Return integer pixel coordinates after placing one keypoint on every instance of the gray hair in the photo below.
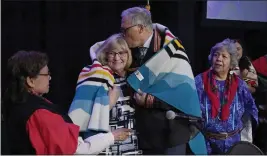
(230, 47)
(138, 15)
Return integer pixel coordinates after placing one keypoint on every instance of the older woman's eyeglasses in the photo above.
(121, 54)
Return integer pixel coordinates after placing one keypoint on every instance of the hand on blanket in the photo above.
(113, 94)
(121, 134)
(144, 99)
(140, 97)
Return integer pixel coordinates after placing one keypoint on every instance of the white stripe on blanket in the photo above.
(96, 120)
(91, 122)
(76, 117)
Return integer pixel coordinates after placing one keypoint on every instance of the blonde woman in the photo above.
(102, 103)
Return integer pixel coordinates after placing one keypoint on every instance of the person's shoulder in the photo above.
(159, 27)
(96, 71)
(241, 82)
(42, 115)
(242, 85)
(198, 77)
(199, 81)
(96, 66)
(95, 63)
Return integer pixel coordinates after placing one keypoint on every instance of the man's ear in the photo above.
(30, 82)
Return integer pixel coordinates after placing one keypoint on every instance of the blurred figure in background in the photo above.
(245, 68)
(260, 96)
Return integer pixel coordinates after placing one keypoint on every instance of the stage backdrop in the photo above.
(66, 30)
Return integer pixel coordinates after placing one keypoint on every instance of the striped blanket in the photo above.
(90, 106)
(169, 77)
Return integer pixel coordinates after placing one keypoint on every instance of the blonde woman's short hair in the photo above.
(114, 42)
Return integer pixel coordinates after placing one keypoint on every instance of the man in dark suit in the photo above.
(157, 135)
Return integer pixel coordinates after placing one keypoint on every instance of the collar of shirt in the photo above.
(147, 43)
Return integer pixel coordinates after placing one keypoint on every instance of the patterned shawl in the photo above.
(169, 77)
(90, 106)
(251, 77)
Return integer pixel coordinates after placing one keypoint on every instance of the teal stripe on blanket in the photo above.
(180, 92)
(176, 90)
(174, 85)
(198, 145)
(85, 105)
(182, 96)
(87, 96)
(88, 92)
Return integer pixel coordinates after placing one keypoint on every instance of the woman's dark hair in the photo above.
(21, 65)
(244, 61)
(237, 40)
(242, 45)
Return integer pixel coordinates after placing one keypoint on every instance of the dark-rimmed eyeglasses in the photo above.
(121, 54)
(48, 74)
(124, 30)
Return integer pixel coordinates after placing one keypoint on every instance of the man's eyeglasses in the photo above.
(124, 30)
(121, 54)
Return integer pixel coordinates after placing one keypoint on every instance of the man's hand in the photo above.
(121, 134)
(140, 97)
(144, 99)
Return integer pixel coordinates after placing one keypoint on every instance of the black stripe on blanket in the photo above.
(96, 79)
(170, 53)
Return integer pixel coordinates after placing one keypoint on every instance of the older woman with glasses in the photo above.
(90, 108)
(34, 124)
(224, 99)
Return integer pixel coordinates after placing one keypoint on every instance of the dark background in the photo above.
(65, 30)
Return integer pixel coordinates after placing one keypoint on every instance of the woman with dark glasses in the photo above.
(34, 124)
